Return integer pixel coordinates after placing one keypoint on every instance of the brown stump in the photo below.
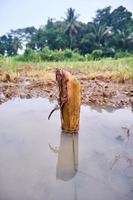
(69, 101)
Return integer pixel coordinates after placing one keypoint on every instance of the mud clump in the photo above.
(4, 77)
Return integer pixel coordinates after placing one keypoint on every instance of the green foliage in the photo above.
(1, 56)
(71, 25)
(110, 31)
(68, 53)
(108, 52)
(97, 54)
(20, 58)
(49, 55)
(88, 57)
(9, 46)
(1, 60)
(120, 18)
(103, 16)
(46, 54)
(60, 55)
(2, 47)
(29, 55)
(122, 54)
(77, 57)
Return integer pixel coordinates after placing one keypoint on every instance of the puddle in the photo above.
(39, 162)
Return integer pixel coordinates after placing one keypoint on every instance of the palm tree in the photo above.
(100, 34)
(71, 25)
(123, 39)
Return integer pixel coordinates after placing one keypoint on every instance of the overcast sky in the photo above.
(22, 13)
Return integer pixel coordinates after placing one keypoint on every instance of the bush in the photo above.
(49, 55)
(19, 58)
(46, 54)
(122, 54)
(72, 55)
(97, 54)
(30, 55)
(58, 55)
(68, 54)
(77, 57)
(1, 60)
(88, 57)
(1, 56)
(109, 52)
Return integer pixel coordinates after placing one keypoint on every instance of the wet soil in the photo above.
(99, 91)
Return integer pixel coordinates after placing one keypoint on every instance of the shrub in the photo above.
(88, 57)
(109, 52)
(122, 54)
(19, 58)
(58, 55)
(45, 54)
(1, 56)
(72, 55)
(97, 54)
(30, 55)
(67, 54)
(77, 57)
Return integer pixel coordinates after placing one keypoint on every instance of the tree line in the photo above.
(109, 32)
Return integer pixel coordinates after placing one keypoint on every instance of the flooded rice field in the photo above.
(38, 161)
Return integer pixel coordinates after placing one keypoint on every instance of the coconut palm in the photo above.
(123, 39)
(71, 25)
(100, 34)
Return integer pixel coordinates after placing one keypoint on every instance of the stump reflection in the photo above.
(67, 164)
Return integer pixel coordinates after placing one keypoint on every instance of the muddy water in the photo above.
(39, 162)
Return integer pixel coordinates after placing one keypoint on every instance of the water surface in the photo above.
(39, 162)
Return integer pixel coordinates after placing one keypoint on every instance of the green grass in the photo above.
(107, 67)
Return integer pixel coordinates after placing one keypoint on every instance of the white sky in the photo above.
(22, 13)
